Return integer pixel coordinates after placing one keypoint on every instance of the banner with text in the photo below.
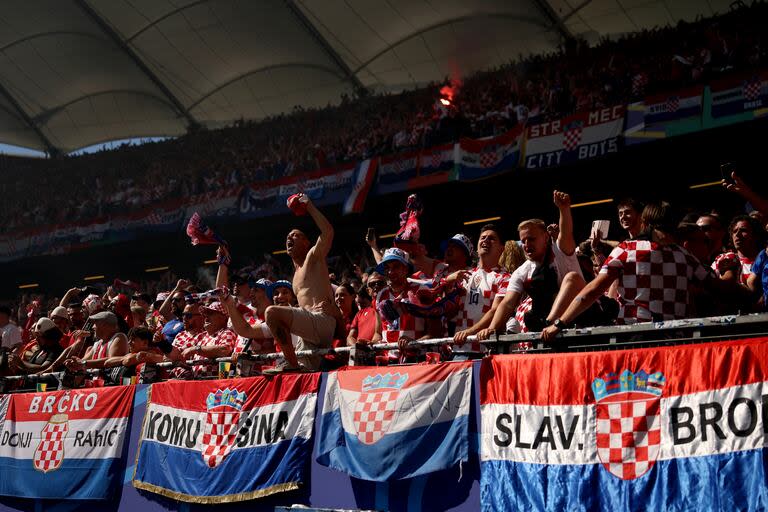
(673, 428)
(578, 137)
(227, 440)
(63, 444)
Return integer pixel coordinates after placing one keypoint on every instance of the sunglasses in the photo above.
(190, 315)
(376, 284)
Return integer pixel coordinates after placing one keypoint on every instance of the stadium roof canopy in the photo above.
(78, 72)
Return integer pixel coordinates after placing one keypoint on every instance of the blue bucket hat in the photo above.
(264, 284)
(394, 254)
(280, 283)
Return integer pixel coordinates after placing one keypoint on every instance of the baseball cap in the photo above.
(59, 311)
(394, 254)
(161, 297)
(44, 324)
(460, 240)
(217, 307)
(106, 316)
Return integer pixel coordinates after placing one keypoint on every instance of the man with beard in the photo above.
(172, 309)
(485, 287)
(217, 340)
(550, 278)
(315, 320)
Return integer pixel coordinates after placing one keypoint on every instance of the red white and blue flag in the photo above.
(436, 159)
(481, 158)
(365, 174)
(664, 108)
(234, 439)
(390, 423)
(395, 171)
(739, 95)
(63, 444)
(578, 137)
(673, 428)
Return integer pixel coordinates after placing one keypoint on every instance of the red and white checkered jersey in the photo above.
(744, 265)
(186, 339)
(183, 341)
(223, 338)
(653, 280)
(481, 290)
(260, 345)
(406, 325)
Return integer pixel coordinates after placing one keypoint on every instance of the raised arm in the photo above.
(325, 240)
(565, 239)
(224, 259)
(69, 296)
(737, 185)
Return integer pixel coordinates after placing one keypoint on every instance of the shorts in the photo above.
(315, 330)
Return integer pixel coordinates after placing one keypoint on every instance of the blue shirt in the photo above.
(760, 269)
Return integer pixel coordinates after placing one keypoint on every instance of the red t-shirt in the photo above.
(365, 323)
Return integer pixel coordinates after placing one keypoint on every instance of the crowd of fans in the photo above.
(576, 77)
(486, 283)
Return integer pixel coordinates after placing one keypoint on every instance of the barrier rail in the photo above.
(581, 339)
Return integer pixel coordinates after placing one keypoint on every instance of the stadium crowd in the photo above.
(577, 77)
(485, 283)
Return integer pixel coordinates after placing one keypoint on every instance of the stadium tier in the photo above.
(372, 261)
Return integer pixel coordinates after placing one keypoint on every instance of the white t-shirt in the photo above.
(562, 263)
(11, 335)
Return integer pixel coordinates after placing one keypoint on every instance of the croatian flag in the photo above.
(732, 96)
(231, 440)
(481, 158)
(365, 173)
(665, 108)
(578, 137)
(63, 444)
(395, 171)
(390, 423)
(674, 428)
(436, 159)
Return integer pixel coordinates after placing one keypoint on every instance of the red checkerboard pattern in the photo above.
(50, 452)
(481, 290)
(639, 81)
(731, 259)
(653, 280)
(489, 158)
(572, 138)
(673, 103)
(373, 414)
(223, 338)
(629, 436)
(752, 90)
(219, 435)
(182, 341)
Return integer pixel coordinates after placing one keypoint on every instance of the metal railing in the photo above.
(693, 330)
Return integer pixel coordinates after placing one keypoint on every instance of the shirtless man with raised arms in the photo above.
(314, 321)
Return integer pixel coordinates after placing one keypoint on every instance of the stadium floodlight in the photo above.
(709, 184)
(93, 278)
(27, 286)
(281, 251)
(156, 269)
(480, 221)
(592, 203)
(390, 235)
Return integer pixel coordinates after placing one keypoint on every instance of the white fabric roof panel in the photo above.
(79, 72)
